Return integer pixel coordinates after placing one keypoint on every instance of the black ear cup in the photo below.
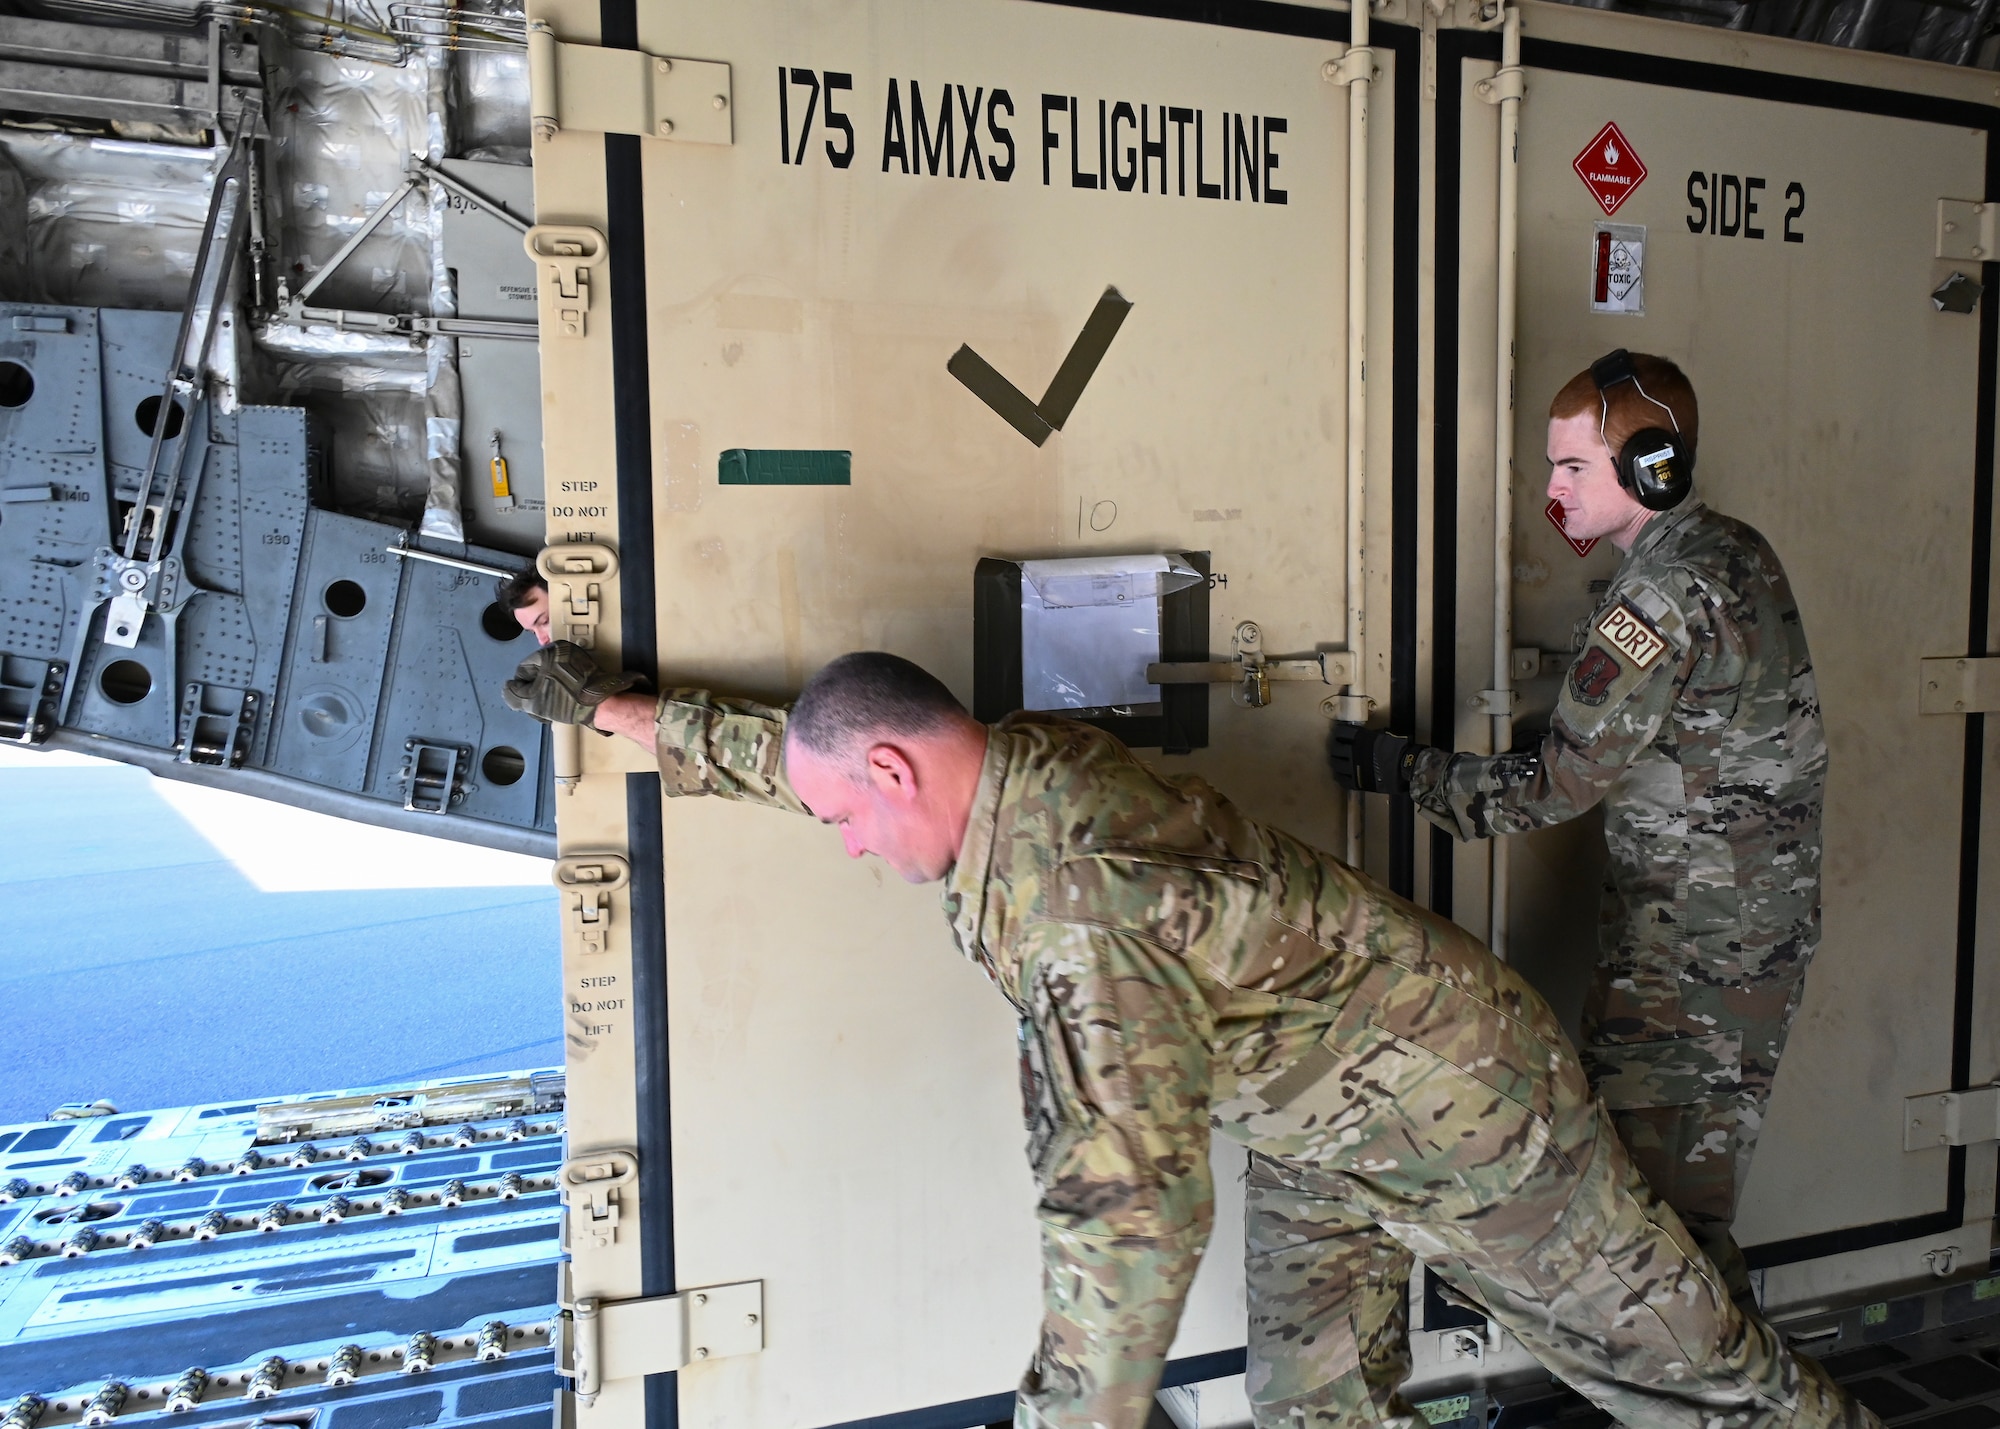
(1657, 468)
(1654, 464)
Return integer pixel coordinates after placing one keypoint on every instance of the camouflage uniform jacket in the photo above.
(1166, 954)
(1691, 711)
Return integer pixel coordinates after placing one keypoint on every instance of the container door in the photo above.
(780, 378)
(1775, 236)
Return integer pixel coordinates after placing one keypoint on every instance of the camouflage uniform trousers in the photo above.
(1685, 1069)
(1374, 1151)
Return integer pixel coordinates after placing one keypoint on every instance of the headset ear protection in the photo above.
(1656, 465)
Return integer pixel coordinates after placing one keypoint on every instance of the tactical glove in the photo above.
(1372, 761)
(561, 684)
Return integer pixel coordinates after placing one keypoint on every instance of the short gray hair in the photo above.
(867, 696)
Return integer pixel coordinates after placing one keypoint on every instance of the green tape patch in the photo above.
(1987, 1289)
(1876, 1314)
(744, 467)
(1446, 1411)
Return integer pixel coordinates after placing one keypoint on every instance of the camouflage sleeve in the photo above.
(1115, 1080)
(1636, 657)
(711, 745)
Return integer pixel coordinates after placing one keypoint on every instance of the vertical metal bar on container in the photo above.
(1502, 706)
(1359, 73)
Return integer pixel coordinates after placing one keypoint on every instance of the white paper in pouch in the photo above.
(1090, 626)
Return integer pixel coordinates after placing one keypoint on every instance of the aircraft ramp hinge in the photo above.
(1965, 1118)
(1965, 230)
(433, 775)
(615, 91)
(577, 574)
(1252, 671)
(30, 698)
(625, 1339)
(216, 725)
(587, 882)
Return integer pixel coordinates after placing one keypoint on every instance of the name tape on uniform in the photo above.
(1627, 632)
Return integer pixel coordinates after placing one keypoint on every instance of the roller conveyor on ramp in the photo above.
(374, 1260)
(1929, 1359)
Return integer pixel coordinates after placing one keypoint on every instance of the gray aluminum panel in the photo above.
(280, 610)
(500, 377)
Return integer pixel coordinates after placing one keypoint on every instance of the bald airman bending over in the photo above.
(1178, 969)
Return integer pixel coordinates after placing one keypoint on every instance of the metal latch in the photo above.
(626, 1339)
(590, 1186)
(1965, 230)
(1252, 672)
(1525, 662)
(1473, 14)
(614, 91)
(1958, 685)
(131, 588)
(1952, 1118)
(587, 881)
(576, 575)
(563, 255)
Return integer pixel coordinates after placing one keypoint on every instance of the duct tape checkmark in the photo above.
(1036, 420)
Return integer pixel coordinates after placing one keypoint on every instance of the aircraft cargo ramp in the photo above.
(386, 1258)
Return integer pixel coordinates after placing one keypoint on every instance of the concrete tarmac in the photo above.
(140, 965)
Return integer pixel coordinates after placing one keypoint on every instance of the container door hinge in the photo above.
(611, 91)
(1504, 85)
(1252, 671)
(587, 881)
(576, 575)
(591, 1183)
(1965, 230)
(1958, 685)
(1964, 1118)
(563, 255)
(1351, 63)
(625, 1339)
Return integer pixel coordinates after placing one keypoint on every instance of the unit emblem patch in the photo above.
(1631, 635)
(1591, 680)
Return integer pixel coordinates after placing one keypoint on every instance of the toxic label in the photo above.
(1617, 269)
(1610, 169)
(1554, 511)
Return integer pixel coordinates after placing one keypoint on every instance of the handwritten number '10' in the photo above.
(834, 119)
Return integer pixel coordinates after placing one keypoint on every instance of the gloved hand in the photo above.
(1372, 761)
(561, 684)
